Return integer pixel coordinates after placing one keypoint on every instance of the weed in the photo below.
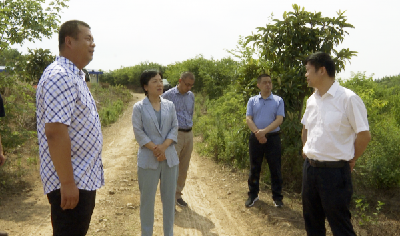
(363, 211)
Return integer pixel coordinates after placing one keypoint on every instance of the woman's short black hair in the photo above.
(146, 76)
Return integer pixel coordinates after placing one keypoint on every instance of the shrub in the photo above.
(379, 166)
(224, 129)
(19, 124)
(110, 101)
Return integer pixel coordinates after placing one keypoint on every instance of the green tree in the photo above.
(27, 20)
(36, 62)
(130, 76)
(212, 76)
(279, 49)
(288, 42)
(8, 57)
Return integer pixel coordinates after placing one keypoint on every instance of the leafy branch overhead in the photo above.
(286, 44)
(22, 20)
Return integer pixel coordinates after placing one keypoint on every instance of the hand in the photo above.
(69, 196)
(2, 159)
(159, 152)
(262, 140)
(161, 158)
(260, 137)
(352, 163)
(259, 134)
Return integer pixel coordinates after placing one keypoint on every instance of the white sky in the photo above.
(127, 32)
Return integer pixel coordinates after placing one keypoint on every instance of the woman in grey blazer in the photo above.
(156, 129)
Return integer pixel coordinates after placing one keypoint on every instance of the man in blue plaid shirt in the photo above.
(69, 133)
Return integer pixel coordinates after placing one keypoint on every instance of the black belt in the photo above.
(272, 134)
(327, 164)
(185, 130)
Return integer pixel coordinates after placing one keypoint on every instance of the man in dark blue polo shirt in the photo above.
(264, 114)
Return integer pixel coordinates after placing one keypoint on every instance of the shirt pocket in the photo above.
(311, 121)
(333, 120)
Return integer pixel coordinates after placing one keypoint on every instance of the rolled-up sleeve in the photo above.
(137, 123)
(173, 133)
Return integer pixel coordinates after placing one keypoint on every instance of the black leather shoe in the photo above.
(181, 202)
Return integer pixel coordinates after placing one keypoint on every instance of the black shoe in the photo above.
(250, 201)
(181, 202)
(278, 203)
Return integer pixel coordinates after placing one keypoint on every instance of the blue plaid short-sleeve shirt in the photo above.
(62, 96)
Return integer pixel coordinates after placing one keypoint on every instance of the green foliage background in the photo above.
(130, 76)
(224, 86)
(379, 167)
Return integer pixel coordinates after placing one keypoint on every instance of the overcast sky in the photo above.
(128, 32)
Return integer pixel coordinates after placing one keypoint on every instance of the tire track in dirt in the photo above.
(206, 213)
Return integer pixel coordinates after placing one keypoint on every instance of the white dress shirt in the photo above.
(332, 122)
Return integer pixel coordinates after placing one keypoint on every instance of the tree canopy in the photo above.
(286, 44)
(27, 20)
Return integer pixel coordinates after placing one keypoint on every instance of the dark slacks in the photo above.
(272, 152)
(326, 193)
(71, 222)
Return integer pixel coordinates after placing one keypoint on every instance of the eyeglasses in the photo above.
(189, 85)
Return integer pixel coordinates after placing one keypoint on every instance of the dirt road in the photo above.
(215, 196)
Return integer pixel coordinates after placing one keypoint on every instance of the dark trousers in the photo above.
(71, 222)
(272, 152)
(326, 193)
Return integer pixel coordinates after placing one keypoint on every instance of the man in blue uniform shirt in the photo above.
(264, 114)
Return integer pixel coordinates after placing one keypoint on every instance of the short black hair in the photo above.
(146, 76)
(262, 75)
(69, 28)
(322, 59)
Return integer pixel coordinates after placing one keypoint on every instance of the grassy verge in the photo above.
(110, 101)
(19, 137)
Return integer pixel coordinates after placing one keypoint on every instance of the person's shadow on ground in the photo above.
(187, 218)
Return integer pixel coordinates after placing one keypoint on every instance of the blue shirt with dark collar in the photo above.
(265, 111)
(184, 105)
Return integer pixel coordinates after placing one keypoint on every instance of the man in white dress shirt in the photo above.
(335, 134)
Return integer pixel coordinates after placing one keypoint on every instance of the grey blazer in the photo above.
(146, 129)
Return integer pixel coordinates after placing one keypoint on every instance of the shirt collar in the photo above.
(66, 63)
(332, 90)
(177, 90)
(271, 96)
